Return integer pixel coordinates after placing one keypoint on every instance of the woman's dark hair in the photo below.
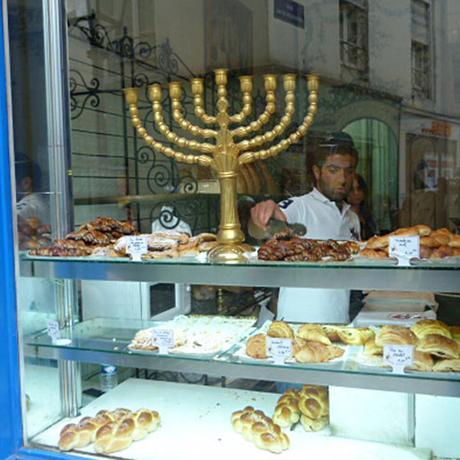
(362, 184)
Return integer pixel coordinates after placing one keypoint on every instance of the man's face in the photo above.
(335, 178)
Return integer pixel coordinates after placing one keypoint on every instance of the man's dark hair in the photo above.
(339, 143)
(25, 167)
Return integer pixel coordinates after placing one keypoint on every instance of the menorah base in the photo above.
(228, 253)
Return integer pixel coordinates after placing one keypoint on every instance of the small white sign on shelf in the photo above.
(398, 357)
(164, 339)
(53, 330)
(279, 349)
(404, 248)
(137, 246)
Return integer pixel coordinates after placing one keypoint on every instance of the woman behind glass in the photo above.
(357, 199)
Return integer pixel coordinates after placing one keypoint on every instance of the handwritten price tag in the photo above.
(279, 349)
(398, 357)
(164, 339)
(53, 330)
(137, 246)
(405, 248)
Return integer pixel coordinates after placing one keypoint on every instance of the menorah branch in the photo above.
(156, 96)
(295, 137)
(264, 117)
(246, 89)
(289, 87)
(198, 102)
(131, 95)
(176, 94)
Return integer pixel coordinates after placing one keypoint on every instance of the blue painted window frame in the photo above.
(11, 436)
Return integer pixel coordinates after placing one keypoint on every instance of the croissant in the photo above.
(256, 346)
(281, 330)
(447, 365)
(312, 352)
(313, 333)
(355, 335)
(440, 346)
(313, 424)
(395, 335)
(430, 326)
(422, 362)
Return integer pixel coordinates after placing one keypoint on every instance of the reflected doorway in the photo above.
(378, 165)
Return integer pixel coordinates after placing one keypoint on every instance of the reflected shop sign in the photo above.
(290, 12)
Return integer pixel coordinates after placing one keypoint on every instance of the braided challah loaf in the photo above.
(287, 411)
(256, 427)
(111, 431)
(314, 407)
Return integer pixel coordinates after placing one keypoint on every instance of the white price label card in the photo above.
(279, 349)
(163, 339)
(53, 330)
(398, 357)
(405, 248)
(137, 246)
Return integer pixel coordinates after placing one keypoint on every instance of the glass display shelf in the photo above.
(438, 276)
(106, 340)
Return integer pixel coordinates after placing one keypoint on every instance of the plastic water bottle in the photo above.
(108, 377)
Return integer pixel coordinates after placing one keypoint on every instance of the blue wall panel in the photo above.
(10, 434)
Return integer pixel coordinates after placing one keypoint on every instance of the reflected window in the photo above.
(354, 49)
(421, 49)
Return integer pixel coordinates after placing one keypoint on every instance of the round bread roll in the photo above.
(430, 242)
(377, 242)
(423, 230)
(442, 252)
(455, 241)
(411, 231)
(425, 252)
(442, 238)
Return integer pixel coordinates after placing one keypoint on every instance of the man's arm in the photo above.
(261, 214)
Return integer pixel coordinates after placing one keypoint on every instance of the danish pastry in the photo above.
(372, 349)
(430, 326)
(447, 365)
(395, 335)
(355, 335)
(422, 361)
(440, 346)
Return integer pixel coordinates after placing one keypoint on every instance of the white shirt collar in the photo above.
(315, 193)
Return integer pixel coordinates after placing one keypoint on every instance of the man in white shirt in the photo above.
(327, 216)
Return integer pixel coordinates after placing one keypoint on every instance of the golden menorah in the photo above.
(225, 156)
